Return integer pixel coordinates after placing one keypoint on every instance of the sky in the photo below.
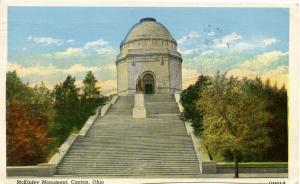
(48, 43)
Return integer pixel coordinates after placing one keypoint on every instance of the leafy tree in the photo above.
(26, 136)
(277, 121)
(234, 119)
(26, 120)
(90, 91)
(15, 88)
(91, 94)
(42, 103)
(189, 97)
(91, 97)
(38, 120)
(66, 106)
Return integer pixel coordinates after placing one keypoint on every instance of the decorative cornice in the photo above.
(118, 60)
(139, 39)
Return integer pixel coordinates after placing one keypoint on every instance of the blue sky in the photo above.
(47, 44)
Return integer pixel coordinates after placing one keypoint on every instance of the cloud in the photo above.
(265, 60)
(226, 41)
(90, 48)
(47, 85)
(52, 75)
(95, 44)
(70, 41)
(241, 73)
(268, 42)
(278, 75)
(191, 35)
(46, 40)
(105, 50)
(240, 46)
(50, 69)
(187, 51)
(244, 64)
(189, 76)
(25, 71)
(69, 52)
(193, 43)
(237, 42)
(108, 86)
(268, 65)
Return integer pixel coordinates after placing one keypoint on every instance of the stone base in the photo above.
(209, 167)
(139, 110)
(139, 113)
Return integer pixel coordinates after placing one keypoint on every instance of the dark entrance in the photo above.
(148, 81)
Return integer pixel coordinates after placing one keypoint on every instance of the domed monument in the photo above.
(148, 61)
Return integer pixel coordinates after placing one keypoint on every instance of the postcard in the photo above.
(126, 92)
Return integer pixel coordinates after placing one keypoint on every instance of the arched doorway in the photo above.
(149, 85)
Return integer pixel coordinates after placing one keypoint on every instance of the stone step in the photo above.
(122, 159)
(112, 163)
(140, 123)
(159, 98)
(137, 127)
(123, 172)
(147, 131)
(163, 135)
(128, 168)
(137, 176)
(128, 153)
(119, 168)
(148, 173)
(157, 142)
(129, 118)
(126, 117)
(157, 135)
(138, 137)
(99, 161)
(116, 142)
(134, 152)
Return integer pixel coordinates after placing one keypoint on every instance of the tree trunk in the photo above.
(236, 174)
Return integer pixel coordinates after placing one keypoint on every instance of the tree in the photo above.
(91, 97)
(16, 89)
(90, 91)
(189, 97)
(234, 119)
(26, 135)
(66, 106)
(276, 99)
(26, 120)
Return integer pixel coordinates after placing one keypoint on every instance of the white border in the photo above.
(293, 73)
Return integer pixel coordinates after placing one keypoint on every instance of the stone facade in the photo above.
(149, 53)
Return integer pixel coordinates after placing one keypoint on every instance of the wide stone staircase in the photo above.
(119, 146)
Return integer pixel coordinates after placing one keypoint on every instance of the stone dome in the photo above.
(148, 28)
